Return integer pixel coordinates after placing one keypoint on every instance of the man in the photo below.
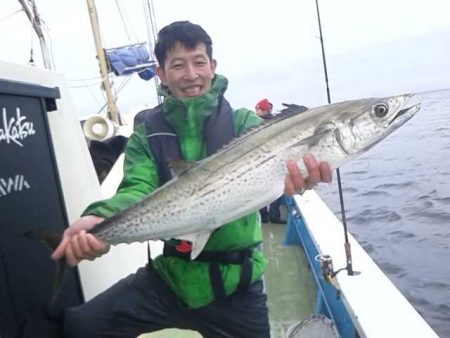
(221, 293)
(264, 110)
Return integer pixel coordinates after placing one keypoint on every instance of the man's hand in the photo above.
(317, 172)
(77, 244)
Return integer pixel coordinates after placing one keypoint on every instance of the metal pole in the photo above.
(113, 113)
(36, 23)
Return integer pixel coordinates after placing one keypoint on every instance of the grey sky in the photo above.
(265, 48)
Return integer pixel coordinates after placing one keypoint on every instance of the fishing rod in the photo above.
(348, 253)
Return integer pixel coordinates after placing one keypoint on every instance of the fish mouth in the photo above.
(405, 114)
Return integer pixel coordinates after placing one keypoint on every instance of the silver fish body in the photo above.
(249, 173)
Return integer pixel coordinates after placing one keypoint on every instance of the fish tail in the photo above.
(51, 240)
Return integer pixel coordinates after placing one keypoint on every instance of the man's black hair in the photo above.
(185, 32)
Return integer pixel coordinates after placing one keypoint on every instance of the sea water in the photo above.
(397, 201)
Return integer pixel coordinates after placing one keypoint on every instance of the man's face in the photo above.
(187, 73)
(261, 113)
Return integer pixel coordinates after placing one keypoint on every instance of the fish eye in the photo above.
(380, 109)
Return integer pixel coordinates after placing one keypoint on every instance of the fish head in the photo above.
(364, 123)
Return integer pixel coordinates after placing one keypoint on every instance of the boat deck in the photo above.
(289, 286)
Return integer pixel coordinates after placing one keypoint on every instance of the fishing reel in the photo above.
(326, 264)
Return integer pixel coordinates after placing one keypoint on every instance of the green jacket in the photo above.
(188, 279)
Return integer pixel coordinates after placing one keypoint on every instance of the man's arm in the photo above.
(140, 179)
(77, 245)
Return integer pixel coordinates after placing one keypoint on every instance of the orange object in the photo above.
(184, 246)
(264, 105)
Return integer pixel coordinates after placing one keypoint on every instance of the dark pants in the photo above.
(274, 210)
(142, 303)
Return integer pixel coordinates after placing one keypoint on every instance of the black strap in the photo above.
(222, 257)
(215, 258)
(217, 282)
(246, 275)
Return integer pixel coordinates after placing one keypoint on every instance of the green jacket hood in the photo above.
(196, 109)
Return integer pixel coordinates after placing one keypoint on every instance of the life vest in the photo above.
(163, 142)
(165, 147)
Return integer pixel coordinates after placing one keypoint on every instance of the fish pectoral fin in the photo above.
(315, 138)
(198, 241)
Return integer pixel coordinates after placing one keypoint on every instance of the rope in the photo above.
(96, 78)
(10, 15)
(94, 82)
(121, 13)
(150, 22)
(122, 85)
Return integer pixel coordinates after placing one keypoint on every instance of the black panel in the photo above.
(30, 198)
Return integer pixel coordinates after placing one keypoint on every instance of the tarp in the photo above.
(130, 59)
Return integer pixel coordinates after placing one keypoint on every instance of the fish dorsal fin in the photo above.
(180, 166)
(264, 124)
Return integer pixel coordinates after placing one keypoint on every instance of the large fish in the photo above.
(249, 173)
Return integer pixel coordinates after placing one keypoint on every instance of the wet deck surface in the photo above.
(289, 285)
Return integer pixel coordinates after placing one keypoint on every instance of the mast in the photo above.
(113, 112)
(33, 16)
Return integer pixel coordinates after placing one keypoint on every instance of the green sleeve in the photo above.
(140, 177)
(245, 119)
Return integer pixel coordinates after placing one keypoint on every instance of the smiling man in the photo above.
(220, 293)
(187, 72)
